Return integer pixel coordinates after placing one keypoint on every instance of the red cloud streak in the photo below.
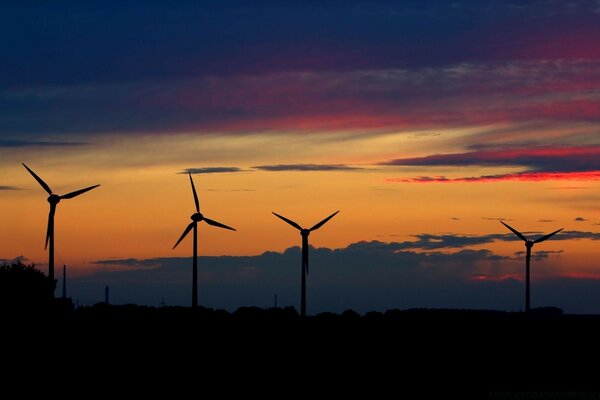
(575, 163)
(521, 176)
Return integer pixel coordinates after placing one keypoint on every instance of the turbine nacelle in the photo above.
(54, 199)
(304, 232)
(197, 217)
(529, 243)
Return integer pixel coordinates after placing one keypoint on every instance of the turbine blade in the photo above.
(540, 240)
(50, 228)
(40, 181)
(220, 225)
(184, 234)
(320, 224)
(77, 192)
(289, 221)
(195, 194)
(516, 232)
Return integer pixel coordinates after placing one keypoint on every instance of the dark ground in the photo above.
(274, 353)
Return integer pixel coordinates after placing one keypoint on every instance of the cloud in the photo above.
(421, 135)
(524, 176)
(542, 159)
(544, 221)
(571, 188)
(576, 235)
(9, 188)
(580, 219)
(128, 262)
(208, 40)
(7, 261)
(542, 163)
(435, 242)
(233, 281)
(212, 170)
(229, 190)
(366, 100)
(539, 255)
(406, 66)
(363, 276)
(13, 143)
(306, 167)
(453, 241)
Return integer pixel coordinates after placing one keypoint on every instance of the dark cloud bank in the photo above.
(431, 271)
(86, 67)
(212, 170)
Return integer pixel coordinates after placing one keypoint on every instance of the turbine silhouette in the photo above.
(54, 199)
(528, 245)
(197, 217)
(304, 233)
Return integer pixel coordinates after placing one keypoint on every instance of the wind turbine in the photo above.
(54, 199)
(304, 233)
(528, 245)
(197, 217)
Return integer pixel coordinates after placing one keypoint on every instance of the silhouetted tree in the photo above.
(351, 315)
(24, 287)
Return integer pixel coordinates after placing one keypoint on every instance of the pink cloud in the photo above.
(524, 176)
(499, 278)
(540, 164)
(462, 95)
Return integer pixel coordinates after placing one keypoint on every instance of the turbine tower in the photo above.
(197, 217)
(54, 199)
(304, 233)
(528, 245)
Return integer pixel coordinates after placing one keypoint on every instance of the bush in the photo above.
(24, 287)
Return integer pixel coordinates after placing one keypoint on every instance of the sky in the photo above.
(424, 122)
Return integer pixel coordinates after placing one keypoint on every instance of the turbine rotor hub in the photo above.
(529, 243)
(54, 199)
(305, 232)
(197, 217)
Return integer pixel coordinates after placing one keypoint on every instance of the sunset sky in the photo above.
(424, 122)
